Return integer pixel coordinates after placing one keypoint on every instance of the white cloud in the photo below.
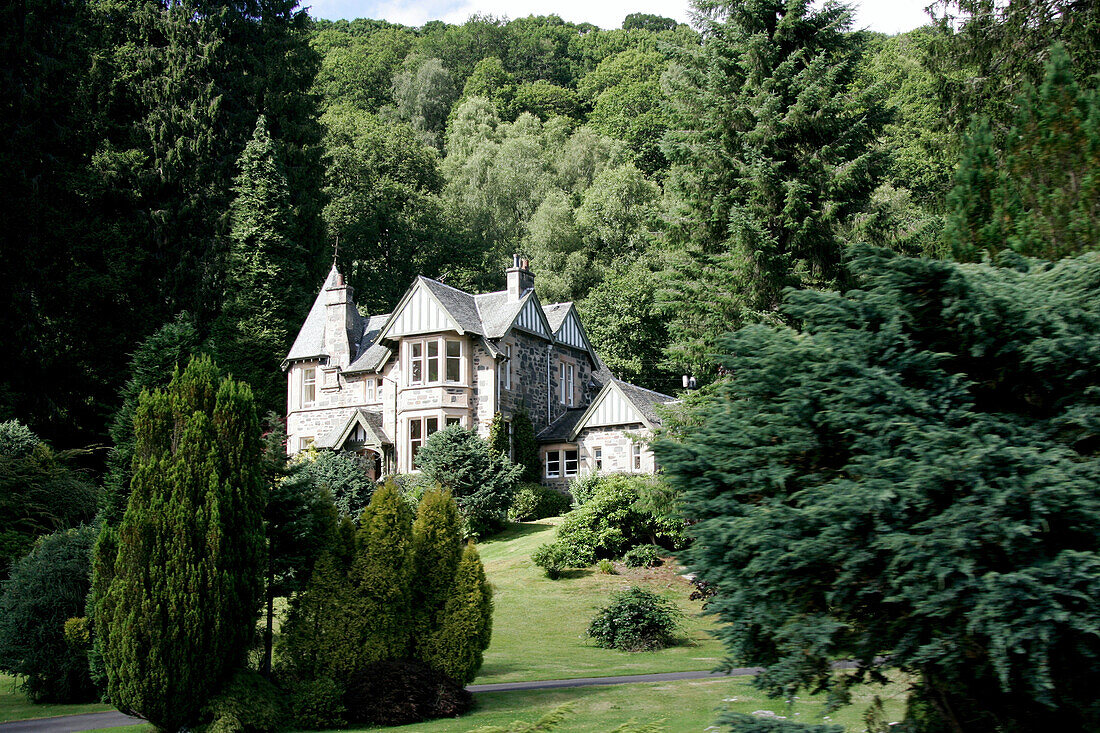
(886, 16)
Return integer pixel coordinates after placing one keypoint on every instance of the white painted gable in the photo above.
(611, 409)
(570, 333)
(421, 313)
(531, 318)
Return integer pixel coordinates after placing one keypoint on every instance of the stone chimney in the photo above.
(339, 317)
(520, 278)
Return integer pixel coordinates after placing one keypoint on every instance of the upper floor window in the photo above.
(368, 389)
(309, 386)
(506, 369)
(433, 358)
(565, 383)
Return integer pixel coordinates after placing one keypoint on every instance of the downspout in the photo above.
(549, 390)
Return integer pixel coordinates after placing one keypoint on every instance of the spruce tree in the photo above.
(382, 577)
(773, 147)
(525, 447)
(437, 550)
(464, 629)
(265, 274)
(181, 606)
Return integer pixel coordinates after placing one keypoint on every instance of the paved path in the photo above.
(92, 721)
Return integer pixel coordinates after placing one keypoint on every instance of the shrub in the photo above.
(399, 692)
(525, 447)
(553, 558)
(249, 704)
(610, 522)
(534, 501)
(464, 624)
(635, 620)
(745, 723)
(583, 487)
(47, 589)
(316, 704)
(481, 482)
(606, 567)
(643, 556)
(344, 475)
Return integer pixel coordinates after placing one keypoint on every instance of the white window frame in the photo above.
(368, 389)
(458, 359)
(569, 379)
(561, 382)
(565, 461)
(636, 457)
(438, 361)
(597, 458)
(506, 369)
(416, 360)
(309, 382)
(305, 442)
(415, 444)
(552, 456)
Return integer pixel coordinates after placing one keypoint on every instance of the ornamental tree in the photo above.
(909, 479)
(180, 608)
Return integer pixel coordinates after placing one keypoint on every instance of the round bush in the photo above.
(401, 692)
(555, 557)
(249, 703)
(317, 704)
(636, 620)
(643, 556)
(606, 567)
(534, 501)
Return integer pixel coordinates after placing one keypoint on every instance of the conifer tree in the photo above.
(772, 148)
(465, 625)
(265, 274)
(498, 436)
(525, 448)
(382, 574)
(437, 550)
(181, 606)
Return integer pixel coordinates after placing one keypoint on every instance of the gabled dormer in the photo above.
(565, 324)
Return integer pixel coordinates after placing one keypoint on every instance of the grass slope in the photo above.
(539, 624)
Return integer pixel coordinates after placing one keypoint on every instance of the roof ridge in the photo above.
(643, 389)
(449, 287)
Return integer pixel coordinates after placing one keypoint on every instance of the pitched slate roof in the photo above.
(497, 312)
(371, 355)
(372, 425)
(645, 400)
(559, 430)
(310, 343)
(460, 304)
(556, 313)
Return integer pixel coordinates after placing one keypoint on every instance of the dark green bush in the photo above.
(643, 556)
(745, 723)
(636, 620)
(553, 558)
(249, 704)
(399, 692)
(583, 487)
(316, 704)
(612, 521)
(606, 567)
(46, 589)
(535, 501)
(344, 475)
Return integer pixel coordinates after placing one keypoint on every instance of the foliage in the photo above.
(553, 558)
(636, 620)
(499, 440)
(40, 491)
(584, 487)
(250, 703)
(193, 521)
(612, 521)
(481, 482)
(316, 704)
(773, 147)
(525, 448)
(342, 475)
(605, 567)
(545, 100)
(423, 92)
(266, 274)
(1039, 192)
(643, 556)
(437, 552)
(47, 589)
(398, 692)
(464, 624)
(745, 723)
(909, 481)
(535, 501)
(547, 722)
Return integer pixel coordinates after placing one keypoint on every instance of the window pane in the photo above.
(414, 428)
(417, 372)
(570, 463)
(433, 425)
(454, 348)
(417, 350)
(454, 421)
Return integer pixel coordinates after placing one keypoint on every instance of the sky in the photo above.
(886, 16)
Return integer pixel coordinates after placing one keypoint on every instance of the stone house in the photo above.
(379, 385)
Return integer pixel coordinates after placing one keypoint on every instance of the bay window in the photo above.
(435, 361)
(420, 429)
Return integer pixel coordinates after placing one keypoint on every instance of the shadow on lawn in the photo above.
(515, 530)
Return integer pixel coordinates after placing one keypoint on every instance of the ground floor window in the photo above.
(562, 463)
(636, 458)
(597, 458)
(420, 428)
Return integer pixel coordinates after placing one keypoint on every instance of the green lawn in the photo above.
(15, 706)
(687, 705)
(539, 624)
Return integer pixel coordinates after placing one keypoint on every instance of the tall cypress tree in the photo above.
(181, 606)
(265, 275)
(498, 435)
(457, 644)
(437, 550)
(773, 148)
(525, 447)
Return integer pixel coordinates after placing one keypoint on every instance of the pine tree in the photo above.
(498, 436)
(772, 149)
(265, 275)
(181, 607)
(437, 550)
(1037, 192)
(382, 574)
(525, 448)
(465, 625)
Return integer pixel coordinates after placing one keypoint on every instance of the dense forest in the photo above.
(179, 176)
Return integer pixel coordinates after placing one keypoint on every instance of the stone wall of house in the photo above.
(528, 390)
(582, 376)
(617, 443)
(336, 396)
